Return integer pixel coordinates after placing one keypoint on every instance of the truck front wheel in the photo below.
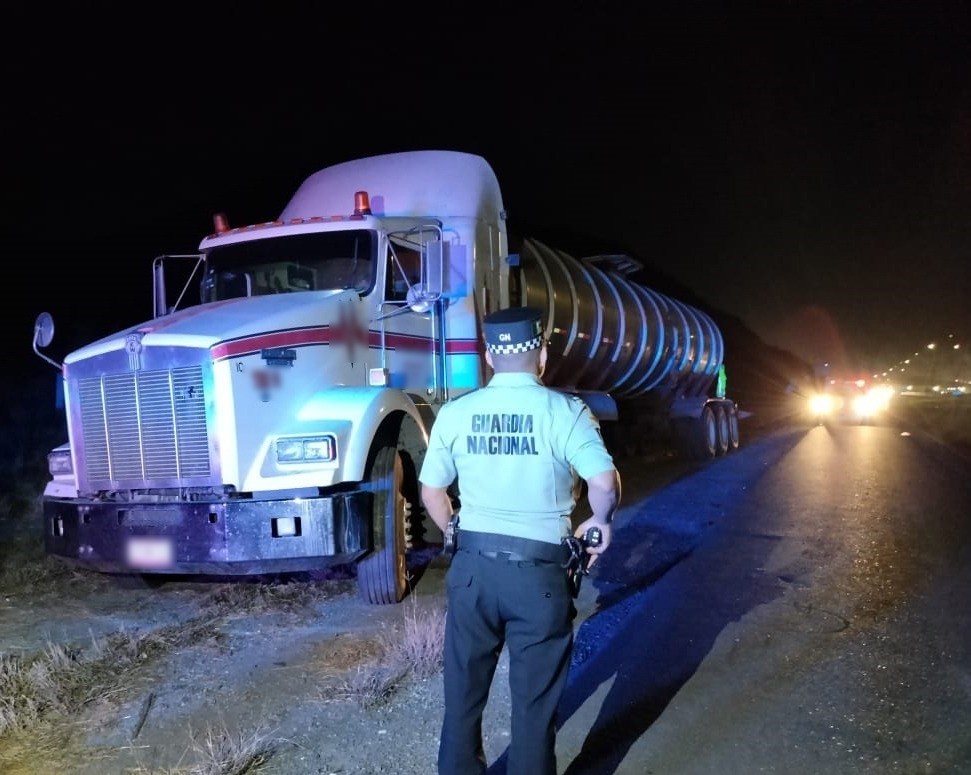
(381, 575)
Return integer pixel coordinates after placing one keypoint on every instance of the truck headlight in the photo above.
(59, 462)
(306, 449)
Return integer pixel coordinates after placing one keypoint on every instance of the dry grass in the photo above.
(222, 752)
(417, 645)
(370, 685)
(63, 680)
(30, 570)
(33, 688)
(40, 695)
(24, 565)
(217, 750)
(412, 651)
(287, 596)
(34, 693)
(335, 656)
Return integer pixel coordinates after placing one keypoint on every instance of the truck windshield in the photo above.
(327, 260)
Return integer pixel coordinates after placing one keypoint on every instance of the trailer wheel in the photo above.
(723, 443)
(733, 437)
(381, 575)
(705, 433)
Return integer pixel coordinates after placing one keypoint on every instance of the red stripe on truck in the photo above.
(321, 335)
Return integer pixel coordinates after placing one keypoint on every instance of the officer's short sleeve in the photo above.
(438, 468)
(585, 449)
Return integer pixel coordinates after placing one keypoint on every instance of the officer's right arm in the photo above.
(603, 495)
(589, 456)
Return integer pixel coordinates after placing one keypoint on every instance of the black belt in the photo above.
(511, 548)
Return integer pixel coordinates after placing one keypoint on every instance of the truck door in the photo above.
(408, 337)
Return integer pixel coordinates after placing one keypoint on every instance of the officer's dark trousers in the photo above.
(527, 606)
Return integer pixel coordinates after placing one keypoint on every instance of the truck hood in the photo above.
(207, 325)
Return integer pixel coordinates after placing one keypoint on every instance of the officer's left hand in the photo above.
(605, 532)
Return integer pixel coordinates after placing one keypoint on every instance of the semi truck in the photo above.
(273, 413)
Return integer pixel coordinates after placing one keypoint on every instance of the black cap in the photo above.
(513, 330)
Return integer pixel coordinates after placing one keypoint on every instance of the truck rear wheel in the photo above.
(733, 438)
(381, 575)
(723, 430)
(705, 435)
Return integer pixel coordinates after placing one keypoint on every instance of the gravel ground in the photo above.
(279, 677)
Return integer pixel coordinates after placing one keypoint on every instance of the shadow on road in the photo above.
(660, 607)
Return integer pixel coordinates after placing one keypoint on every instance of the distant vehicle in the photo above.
(850, 402)
(954, 391)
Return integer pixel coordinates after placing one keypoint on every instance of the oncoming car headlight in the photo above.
(59, 462)
(821, 404)
(868, 405)
(306, 449)
(862, 407)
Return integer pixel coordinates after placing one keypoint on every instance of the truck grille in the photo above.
(144, 425)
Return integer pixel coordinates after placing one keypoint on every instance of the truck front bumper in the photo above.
(238, 537)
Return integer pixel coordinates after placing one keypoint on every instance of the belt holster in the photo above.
(450, 542)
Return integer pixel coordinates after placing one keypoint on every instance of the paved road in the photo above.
(801, 606)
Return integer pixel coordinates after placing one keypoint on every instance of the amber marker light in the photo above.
(362, 203)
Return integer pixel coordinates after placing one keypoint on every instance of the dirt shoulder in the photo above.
(140, 679)
(173, 678)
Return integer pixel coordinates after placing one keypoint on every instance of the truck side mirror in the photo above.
(423, 294)
(434, 269)
(43, 334)
(43, 329)
(159, 304)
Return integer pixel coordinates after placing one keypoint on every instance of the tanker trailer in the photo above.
(643, 361)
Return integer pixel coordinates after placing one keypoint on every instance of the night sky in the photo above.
(805, 167)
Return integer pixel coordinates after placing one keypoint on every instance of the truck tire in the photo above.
(705, 435)
(723, 442)
(733, 437)
(381, 575)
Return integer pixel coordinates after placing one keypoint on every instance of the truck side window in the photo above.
(401, 273)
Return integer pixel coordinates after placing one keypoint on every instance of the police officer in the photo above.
(514, 447)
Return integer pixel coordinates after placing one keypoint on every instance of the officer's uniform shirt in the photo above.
(514, 445)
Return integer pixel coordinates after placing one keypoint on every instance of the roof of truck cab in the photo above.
(411, 183)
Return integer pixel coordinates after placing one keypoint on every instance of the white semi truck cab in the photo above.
(278, 424)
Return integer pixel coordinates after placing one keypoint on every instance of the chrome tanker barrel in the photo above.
(610, 334)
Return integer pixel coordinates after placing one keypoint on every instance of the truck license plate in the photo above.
(149, 552)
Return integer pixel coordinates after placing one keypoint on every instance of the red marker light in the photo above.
(362, 203)
(220, 223)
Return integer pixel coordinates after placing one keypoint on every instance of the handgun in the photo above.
(579, 558)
